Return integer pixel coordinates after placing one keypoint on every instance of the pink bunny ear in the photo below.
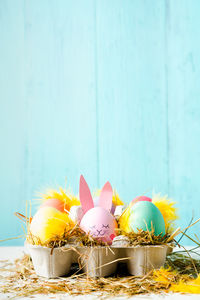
(85, 195)
(105, 199)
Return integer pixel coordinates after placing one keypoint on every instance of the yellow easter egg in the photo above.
(48, 223)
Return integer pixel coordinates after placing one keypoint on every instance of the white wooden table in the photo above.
(14, 252)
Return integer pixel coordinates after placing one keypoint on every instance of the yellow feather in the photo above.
(191, 286)
(65, 196)
(168, 210)
(124, 220)
(71, 200)
(116, 199)
(164, 275)
(184, 285)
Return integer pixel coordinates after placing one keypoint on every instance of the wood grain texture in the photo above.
(132, 102)
(107, 89)
(184, 107)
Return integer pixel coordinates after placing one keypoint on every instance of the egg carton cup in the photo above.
(98, 261)
(48, 263)
(143, 259)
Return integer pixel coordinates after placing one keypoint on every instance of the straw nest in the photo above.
(78, 236)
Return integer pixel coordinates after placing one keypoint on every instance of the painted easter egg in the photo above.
(141, 198)
(145, 214)
(99, 223)
(56, 203)
(48, 223)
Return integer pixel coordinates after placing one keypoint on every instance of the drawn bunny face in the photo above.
(97, 221)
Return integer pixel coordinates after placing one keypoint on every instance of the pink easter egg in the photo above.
(99, 223)
(59, 205)
(141, 198)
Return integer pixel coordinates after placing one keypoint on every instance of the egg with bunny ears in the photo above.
(97, 221)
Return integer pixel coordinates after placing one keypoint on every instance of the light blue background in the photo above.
(107, 88)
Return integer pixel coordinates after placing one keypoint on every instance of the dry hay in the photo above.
(78, 236)
(22, 280)
(144, 238)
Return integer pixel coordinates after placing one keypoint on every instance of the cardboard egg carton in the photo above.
(48, 263)
(98, 261)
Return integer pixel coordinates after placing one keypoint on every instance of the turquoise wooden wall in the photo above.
(107, 88)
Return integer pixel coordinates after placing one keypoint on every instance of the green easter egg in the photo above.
(144, 215)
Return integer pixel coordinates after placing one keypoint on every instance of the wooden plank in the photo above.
(49, 113)
(60, 87)
(12, 116)
(105, 88)
(184, 107)
(133, 144)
